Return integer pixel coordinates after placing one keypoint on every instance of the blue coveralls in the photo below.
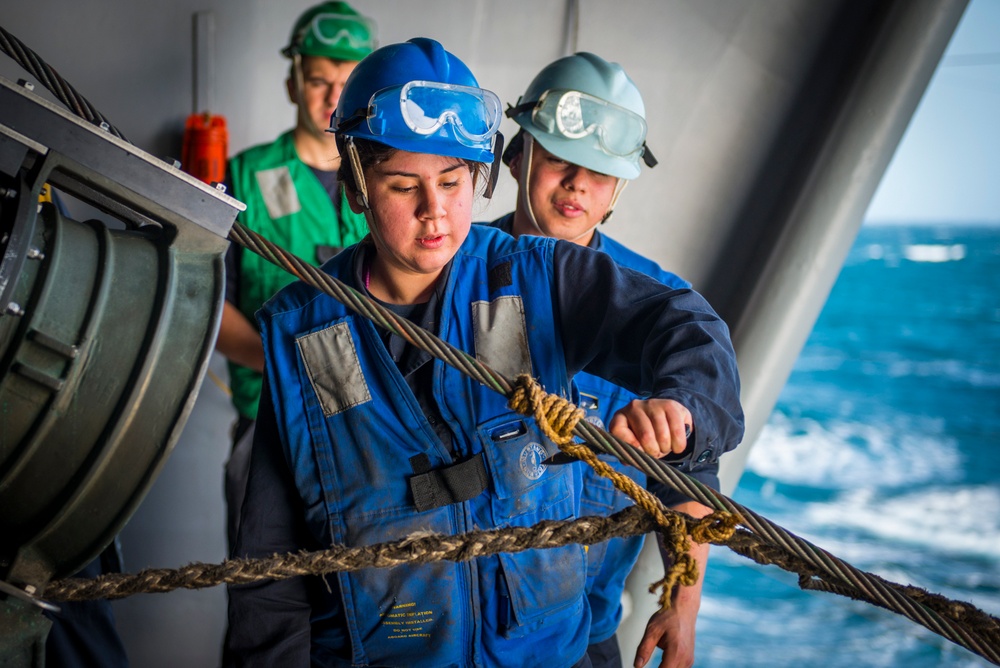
(337, 384)
(610, 562)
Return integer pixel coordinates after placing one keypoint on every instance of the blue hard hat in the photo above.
(415, 96)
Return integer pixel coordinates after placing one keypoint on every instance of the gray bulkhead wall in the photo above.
(778, 237)
(793, 231)
(773, 121)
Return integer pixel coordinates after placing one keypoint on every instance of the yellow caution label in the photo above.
(405, 621)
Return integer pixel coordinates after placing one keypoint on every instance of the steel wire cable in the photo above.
(863, 585)
(48, 77)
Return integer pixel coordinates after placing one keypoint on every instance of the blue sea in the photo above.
(884, 449)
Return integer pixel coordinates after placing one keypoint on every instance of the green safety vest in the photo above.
(288, 205)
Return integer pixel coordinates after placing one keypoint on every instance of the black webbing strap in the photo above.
(449, 484)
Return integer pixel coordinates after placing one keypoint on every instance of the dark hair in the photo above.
(514, 148)
(372, 153)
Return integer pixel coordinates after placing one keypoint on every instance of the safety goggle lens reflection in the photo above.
(336, 29)
(576, 115)
(428, 105)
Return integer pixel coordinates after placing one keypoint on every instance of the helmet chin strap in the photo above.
(361, 196)
(619, 187)
(304, 120)
(620, 184)
(359, 176)
(526, 155)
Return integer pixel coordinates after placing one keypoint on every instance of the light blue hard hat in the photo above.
(587, 111)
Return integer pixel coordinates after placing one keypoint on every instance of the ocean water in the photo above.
(884, 449)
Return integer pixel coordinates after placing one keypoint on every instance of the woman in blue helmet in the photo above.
(363, 439)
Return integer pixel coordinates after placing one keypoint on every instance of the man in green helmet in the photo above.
(582, 138)
(294, 199)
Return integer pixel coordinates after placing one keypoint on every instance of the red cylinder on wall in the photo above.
(206, 147)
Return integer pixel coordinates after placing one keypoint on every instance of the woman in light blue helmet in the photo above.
(582, 137)
(363, 439)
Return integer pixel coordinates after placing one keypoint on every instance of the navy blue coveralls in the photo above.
(335, 455)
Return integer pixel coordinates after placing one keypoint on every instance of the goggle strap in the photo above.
(648, 157)
(354, 120)
(495, 167)
(510, 112)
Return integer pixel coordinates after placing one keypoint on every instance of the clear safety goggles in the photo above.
(357, 32)
(427, 106)
(575, 115)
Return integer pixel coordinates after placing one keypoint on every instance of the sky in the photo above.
(947, 166)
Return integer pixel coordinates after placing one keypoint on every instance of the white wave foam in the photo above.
(958, 521)
(850, 455)
(821, 358)
(898, 366)
(934, 252)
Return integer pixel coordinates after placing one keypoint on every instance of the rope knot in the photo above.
(555, 416)
(716, 528)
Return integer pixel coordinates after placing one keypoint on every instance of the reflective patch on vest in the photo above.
(532, 456)
(278, 190)
(333, 368)
(596, 421)
(502, 335)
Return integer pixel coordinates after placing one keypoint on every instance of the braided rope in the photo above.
(418, 548)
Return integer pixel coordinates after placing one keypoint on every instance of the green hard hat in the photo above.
(332, 30)
(587, 111)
